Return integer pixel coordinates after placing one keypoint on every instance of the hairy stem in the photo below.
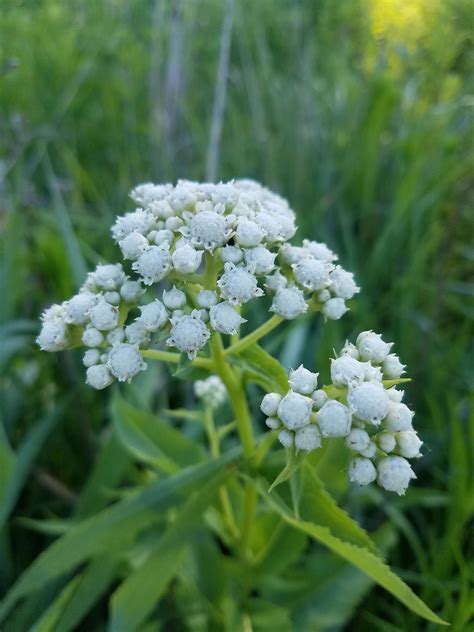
(258, 333)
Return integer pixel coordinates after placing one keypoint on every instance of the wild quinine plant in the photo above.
(196, 257)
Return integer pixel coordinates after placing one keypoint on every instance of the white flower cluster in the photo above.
(216, 247)
(211, 391)
(376, 425)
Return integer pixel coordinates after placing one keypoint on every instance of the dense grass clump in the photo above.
(359, 115)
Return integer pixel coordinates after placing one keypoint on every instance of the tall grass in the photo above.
(370, 141)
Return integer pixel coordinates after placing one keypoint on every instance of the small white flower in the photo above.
(207, 230)
(131, 291)
(133, 245)
(154, 264)
(311, 273)
(323, 296)
(286, 438)
(308, 438)
(394, 474)
(334, 308)
(303, 381)
(293, 254)
(346, 370)
(104, 316)
(319, 398)
(153, 316)
(334, 419)
(186, 259)
(409, 444)
(211, 391)
(372, 373)
(289, 303)
(164, 236)
(362, 471)
(368, 401)
(373, 348)
(78, 308)
(260, 260)
(188, 334)
(232, 254)
(147, 193)
(98, 376)
(161, 209)
(206, 299)
(115, 335)
(91, 357)
(357, 440)
(392, 367)
(238, 285)
(276, 281)
(107, 277)
(350, 350)
(270, 403)
(386, 441)
(399, 417)
(136, 333)
(139, 221)
(225, 318)
(125, 361)
(92, 337)
(273, 423)
(174, 298)
(112, 297)
(370, 451)
(248, 234)
(295, 410)
(319, 251)
(342, 283)
(395, 395)
(173, 223)
(53, 335)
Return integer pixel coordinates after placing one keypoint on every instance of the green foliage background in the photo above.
(370, 138)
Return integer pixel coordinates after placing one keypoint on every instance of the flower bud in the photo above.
(174, 298)
(319, 398)
(136, 333)
(303, 381)
(186, 259)
(319, 251)
(206, 299)
(357, 440)
(260, 260)
(232, 254)
(289, 303)
(225, 318)
(163, 236)
(308, 438)
(373, 348)
(53, 335)
(238, 285)
(334, 419)
(399, 417)
(78, 308)
(273, 423)
(92, 337)
(295, 410)
(346, 370)
(154, 264)
(188, 334)
(386, 441)
(270, 403)
(98, 376)
(153, 315)
(115, 335)
(211, 391)
(131, 291)
(334, 309)
(311, 273)
(104, 316)
(275, 281)
(409, 444)
(368, 401)
(91, 357)
(286, 438)
(342, 283)
(394, 474)
(133, 245)
(125, 361)
(362, 471)
(248, 233)
(392, 367)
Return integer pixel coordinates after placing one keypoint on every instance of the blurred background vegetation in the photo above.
(359, 112)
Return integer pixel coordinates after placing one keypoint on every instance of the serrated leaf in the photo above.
(261, 368)
(294, 460)
(361, 558)
(116, 524)
(319, 507)
(139, 593)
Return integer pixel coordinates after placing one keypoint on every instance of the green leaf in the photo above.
(319, 507)
(135, 441)
(11, 482)
(262, 368)
(139, 593)
(156, 433)
(267, 617)
(360, 557)
(49, 619)
(294, 460)
(113, 526)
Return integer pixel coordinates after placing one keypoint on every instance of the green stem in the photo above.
(175, 358)
(214, 445)
(258, 333)
(211, 271)
(236, 396)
